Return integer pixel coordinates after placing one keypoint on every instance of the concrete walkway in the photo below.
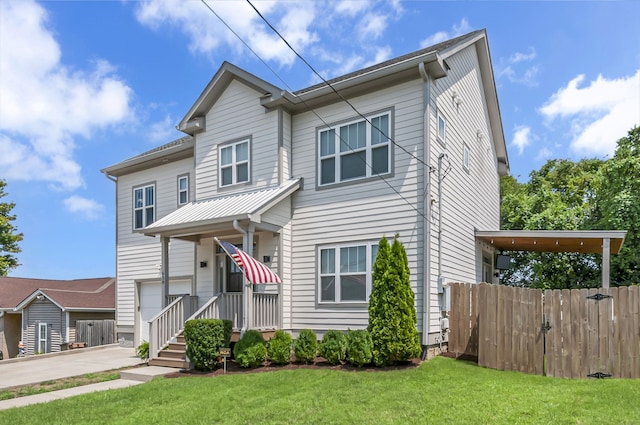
(50, 367)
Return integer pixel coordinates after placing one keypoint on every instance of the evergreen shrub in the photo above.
(333, 347)
(279, 347)
(306, 346)
(251, 350)
(359, 347)
(204, 337)
(392, 311)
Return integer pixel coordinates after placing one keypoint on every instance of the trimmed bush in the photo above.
(279, 347)
(333, 347)
(392, 311)
(359, 347)
(306, 346)
(251, 350)
(204, 338)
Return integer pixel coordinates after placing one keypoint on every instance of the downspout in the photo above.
(245, 241)
(426, 196)
(440, 178)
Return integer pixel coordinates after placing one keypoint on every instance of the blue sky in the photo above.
(86, 84)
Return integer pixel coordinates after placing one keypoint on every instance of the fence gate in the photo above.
(592, 332)
(96, 332)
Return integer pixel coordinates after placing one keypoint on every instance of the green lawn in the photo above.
(439, 391)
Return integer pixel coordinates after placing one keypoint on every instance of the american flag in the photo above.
(254, 271)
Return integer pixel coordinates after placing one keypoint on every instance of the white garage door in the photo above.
(151, 301)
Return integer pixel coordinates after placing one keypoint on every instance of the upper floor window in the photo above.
(466, 157)
(144, 206)
(345, 273)
(183, 190)
(442, 124)
(355, 150)
(234, 163)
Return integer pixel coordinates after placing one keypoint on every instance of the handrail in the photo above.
(208, 310)
(166, 325)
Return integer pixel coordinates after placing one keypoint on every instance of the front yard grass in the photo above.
(439, 391)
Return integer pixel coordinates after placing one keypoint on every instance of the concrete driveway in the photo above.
(47, 367)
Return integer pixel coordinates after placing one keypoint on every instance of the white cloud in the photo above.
(598, 114)
(45, 106)
(521, 138)
(512, 68)
(458, 29)
(88, 208)
(372, 26)
(163, 131)
(544, 154)
(207, 33)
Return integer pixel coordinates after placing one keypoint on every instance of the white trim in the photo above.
(235, 163)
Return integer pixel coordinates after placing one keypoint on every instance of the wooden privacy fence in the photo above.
(96, 332)
(583, 332)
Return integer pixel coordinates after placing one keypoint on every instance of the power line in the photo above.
(313, 110)
(329, 84)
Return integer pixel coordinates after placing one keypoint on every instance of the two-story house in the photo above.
(308, 182)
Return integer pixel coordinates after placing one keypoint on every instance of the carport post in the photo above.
(606, 259)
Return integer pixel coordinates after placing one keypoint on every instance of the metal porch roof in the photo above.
(236, 206)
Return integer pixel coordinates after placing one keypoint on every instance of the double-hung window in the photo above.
(345, 273)
(144, 206)
(234, 163)
(355, 150)
(183, 190)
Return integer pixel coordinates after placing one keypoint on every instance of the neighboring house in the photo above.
(307, 185)
(43, 313)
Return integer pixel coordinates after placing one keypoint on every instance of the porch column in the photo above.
(164, 242)
(249, 286)
(606, 259)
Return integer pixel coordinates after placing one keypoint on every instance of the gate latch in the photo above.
(599, 375)
(546, 327)
(598, 296)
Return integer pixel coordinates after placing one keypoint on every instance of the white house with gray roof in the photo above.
(308, 184)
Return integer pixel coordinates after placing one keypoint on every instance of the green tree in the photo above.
(618, 206)
(9, 237)
(392, 312)
(559, 196)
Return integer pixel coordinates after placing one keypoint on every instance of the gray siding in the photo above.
(44, 312)
(363, 211)
(237, 114)
(139, 256)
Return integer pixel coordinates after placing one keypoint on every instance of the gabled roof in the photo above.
(216, 87)
(222, 209)
(173, 151)
(400, 69)
(79, 294)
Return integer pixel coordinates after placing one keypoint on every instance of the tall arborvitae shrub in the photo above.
(392, 312)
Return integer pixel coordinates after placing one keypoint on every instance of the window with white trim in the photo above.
(344, 274)
(466, 157)
(183, 190)
(234, 163)
(354, 150)
(442, 127)
(144, 206)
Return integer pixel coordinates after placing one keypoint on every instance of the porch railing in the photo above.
(265, 311)
(168, 324)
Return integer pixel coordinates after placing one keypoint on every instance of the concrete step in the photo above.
(145, 373)
(168, 362)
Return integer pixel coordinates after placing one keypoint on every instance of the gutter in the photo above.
(426, 196)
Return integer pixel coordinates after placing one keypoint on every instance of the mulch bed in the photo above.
(319, 364)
